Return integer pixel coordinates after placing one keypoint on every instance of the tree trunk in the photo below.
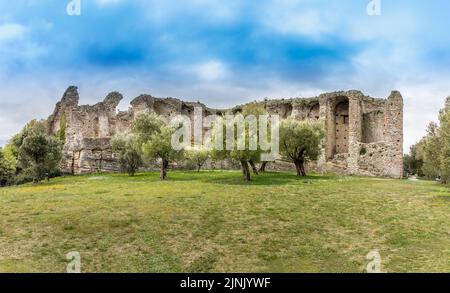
(297, 168)
(255, 170)
(164, 166)
(199, 167)
(72, 167)
(263, 167)
(300, 168)
(245, 170)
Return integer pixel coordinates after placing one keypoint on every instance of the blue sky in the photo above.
(222, 53)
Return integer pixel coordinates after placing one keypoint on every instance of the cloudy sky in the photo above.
(222, 53)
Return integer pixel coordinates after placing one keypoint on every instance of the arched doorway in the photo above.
(314, 112)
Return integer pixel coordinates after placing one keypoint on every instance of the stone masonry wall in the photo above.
(364, 135)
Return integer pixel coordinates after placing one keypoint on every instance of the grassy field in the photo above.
(215, 222)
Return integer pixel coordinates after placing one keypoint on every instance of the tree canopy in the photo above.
(7, 166)
(300, 142)
(130, 155)
(434, 149)
(38, 154)
(197, 156)
(243, 135)
(154, 135)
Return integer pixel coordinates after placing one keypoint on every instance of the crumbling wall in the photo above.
(341, 114)
(364, 135)
(371, 130)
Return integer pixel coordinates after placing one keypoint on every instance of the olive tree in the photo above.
(300, 142)
(154, 136)
(39, 153)
(242, 134)
(127, 147)
(197, 156)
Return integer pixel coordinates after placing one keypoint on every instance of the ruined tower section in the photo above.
(394, 134)
(364, 135)
(381, 146)
(89, 129)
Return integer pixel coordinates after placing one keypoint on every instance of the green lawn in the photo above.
(215, 222)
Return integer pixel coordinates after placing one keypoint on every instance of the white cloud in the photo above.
(423, 100)
(108, 2)
(212, 12)
(209, 71)
(305, 23)
(11, 31)
(298, 18)
(212, 70)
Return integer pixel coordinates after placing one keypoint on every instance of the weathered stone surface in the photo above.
(364, 135)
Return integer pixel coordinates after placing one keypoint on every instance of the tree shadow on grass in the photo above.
(266, 179)
(224, 177)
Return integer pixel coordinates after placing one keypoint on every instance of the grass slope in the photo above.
(213, 221)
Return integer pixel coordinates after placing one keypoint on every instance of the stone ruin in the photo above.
(364, 135)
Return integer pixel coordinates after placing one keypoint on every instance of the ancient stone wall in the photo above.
(364, 135)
